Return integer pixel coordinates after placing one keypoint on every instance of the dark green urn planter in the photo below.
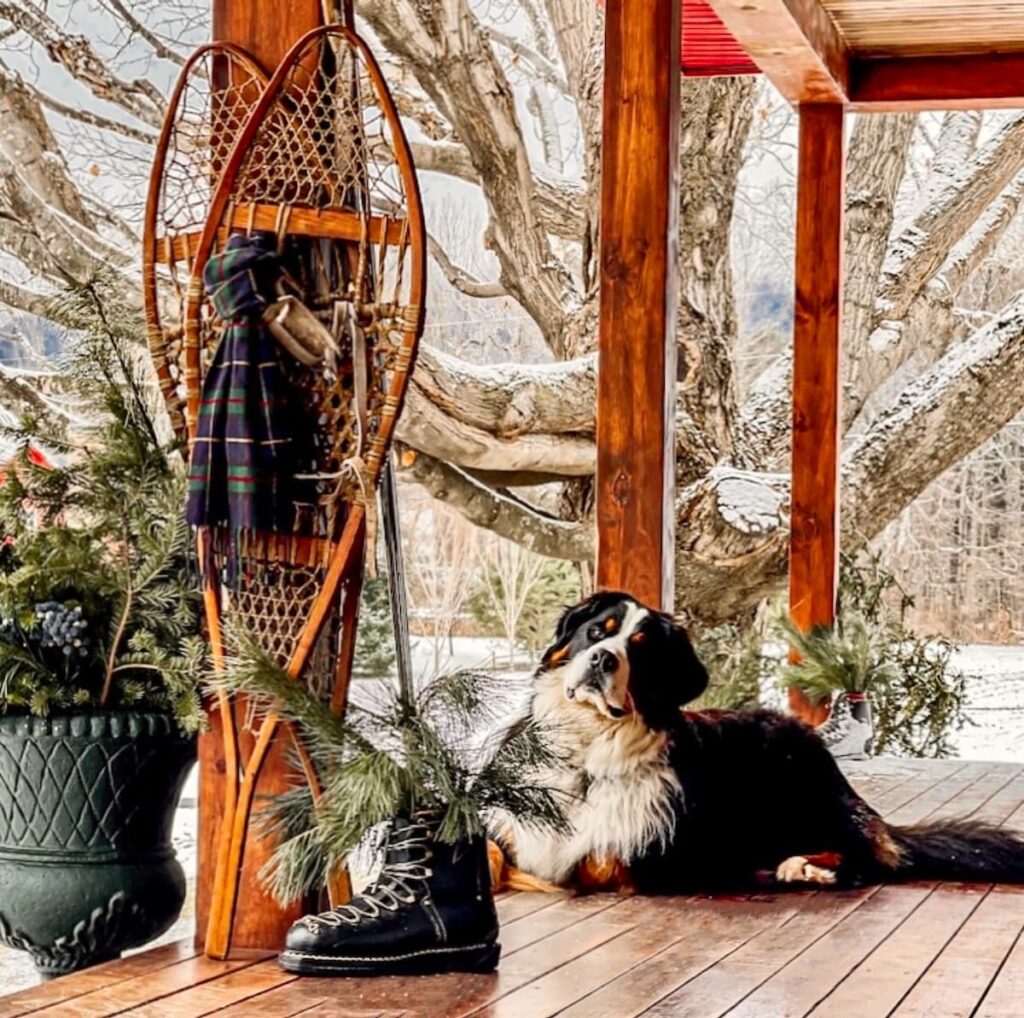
(86, 807)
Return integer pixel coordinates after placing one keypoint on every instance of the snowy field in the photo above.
(995, 687)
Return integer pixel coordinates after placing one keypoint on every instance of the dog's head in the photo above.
(619, 657)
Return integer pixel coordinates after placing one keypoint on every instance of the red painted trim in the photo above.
(708, 47)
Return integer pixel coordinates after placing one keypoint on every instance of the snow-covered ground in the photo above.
(995, 703)
(995, 688)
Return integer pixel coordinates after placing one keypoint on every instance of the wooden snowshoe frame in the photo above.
(216, 91)
(322, 162)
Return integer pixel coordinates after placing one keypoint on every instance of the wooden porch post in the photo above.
(814, 534)
(636, 388)
(267, 29)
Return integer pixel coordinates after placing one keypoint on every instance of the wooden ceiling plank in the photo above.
(795, 43)
(978, 81)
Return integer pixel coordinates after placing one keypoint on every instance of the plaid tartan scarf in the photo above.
(243, 460)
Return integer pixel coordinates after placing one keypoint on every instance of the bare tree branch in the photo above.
(733, 524)
(462, 280)
(447, 49)
(507, 517)
(22, 298)
(922, 246)
(92, 118)
(541, 67)
(426, 427)
(159, 47)
(931, 325)
(559, 199)
(75, 53)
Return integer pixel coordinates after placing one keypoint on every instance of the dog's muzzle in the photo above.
(600, 679)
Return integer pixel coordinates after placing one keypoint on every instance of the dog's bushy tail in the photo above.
(959, 850)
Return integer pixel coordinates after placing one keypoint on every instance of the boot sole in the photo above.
(474, 958)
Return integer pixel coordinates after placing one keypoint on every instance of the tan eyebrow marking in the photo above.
(611, 625)
(560, 654)
(638, 637)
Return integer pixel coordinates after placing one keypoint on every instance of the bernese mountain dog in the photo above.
(661, 800)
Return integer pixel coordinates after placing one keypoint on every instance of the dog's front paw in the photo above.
(798, 869)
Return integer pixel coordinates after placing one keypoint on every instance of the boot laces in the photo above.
(394, 887)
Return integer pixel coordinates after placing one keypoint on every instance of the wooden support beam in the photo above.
(970, 81)
(795, 43)
(265, 28)
(636, 390)
(814, 511)
(267, 31)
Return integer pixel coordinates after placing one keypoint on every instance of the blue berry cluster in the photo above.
(62, 627)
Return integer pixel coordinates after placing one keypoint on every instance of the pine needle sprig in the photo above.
(384, 758)
(850, 657)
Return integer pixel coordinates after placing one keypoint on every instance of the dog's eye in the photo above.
(638, 637)
(595, 633)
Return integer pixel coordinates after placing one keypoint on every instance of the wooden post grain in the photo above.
(636, 390)
(814, 528)
(266, 29)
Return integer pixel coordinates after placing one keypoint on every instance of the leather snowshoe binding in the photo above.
(430, 910)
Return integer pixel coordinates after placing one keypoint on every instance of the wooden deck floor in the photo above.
(919, 949)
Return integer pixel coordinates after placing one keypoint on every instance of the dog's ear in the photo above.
(571, 619)
(689, 674)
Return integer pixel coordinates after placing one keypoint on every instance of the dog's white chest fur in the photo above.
(618, 790)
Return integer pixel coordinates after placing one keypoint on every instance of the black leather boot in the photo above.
(430, 910)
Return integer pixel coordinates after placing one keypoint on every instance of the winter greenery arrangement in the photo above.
(917, 695)
(852, 656)
(98, 605)
(385, 757)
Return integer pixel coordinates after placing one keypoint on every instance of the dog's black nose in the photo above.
(604, 662)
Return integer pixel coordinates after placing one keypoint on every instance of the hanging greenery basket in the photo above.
(87, 803)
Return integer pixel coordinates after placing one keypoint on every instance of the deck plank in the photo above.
(655, 926)
(936, 795)
(716, 990)
(98, 977)
(962, 972)
(1004, 804)
(1003, 996)
(798, 986)
(976, 795)
(923, 779)
(233, 988)
(884, 978)
(907, 950)
(445, 996)
(142, 989)
(564, 912)
(713, 930)
(523, 903)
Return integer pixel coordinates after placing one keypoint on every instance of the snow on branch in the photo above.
(922, 246)
(935, 421)
(733, 524)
